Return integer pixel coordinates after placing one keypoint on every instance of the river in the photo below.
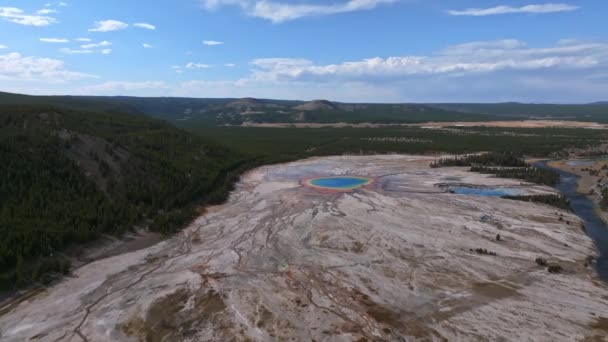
(584, 208)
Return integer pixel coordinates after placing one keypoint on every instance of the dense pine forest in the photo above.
(527, 173)
(502, 165)
(558, 201)
(304, 142)
(486, 159)
(67, 177)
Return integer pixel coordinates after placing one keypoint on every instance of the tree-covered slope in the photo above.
(237, 111)
(583, 112)
(68, 176)
(221, 111)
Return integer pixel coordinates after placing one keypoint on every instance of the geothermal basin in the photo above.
(398, 259)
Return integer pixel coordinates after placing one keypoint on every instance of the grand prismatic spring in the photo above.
(341, 183)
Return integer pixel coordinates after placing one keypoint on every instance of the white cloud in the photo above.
(46, 11)
(230, 65)
(14, 66)
(90, 48)
(470, 58)
(96, 45)
(108, 25)
(76, 52)
(121, 87)
(3, 46)
(197, 66)
(18, 16)
(483, 71)
(212, 42)
(502, 70)
(83, 40)
(544, 8)
(355, 92)
(466, 48)
(54, 40)
(145, 26)
(146, 46)
(279, 12)
(63, 4)
(214, 4)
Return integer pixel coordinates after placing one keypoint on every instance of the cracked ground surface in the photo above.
(392, 261)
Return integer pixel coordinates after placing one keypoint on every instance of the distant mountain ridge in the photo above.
(236, 111)
(316, 105)
(231, 111)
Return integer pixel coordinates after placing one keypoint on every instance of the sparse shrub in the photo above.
(555, 268)
(485, 159)
(589, 260)
(526, 173)
(559, 201)
(541, 261)
(483, 251)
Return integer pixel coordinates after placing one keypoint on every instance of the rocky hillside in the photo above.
(316, 105)
(69, 176)
(249, 110)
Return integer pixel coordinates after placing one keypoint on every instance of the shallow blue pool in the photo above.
(340, 183)
(486, 192)
(576, 162)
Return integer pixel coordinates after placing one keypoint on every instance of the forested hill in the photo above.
(68, 176)
(231, 111)
(597, 111)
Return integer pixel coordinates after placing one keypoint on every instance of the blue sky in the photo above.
(345, 50)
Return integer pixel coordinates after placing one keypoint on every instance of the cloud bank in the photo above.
(458, 60)
(145, 26)
(212, 42)
(279, 12)
(108, 26)
(538, 9)
(479, 71)
(18, 16)
(54, 40)
(14, 66)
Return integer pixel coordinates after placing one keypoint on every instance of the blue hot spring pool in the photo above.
(339, 183)
(486, 192)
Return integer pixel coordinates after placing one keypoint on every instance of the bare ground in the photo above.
(393, 261)
(437, 125)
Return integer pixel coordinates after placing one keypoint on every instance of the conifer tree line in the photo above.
(149, 171)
